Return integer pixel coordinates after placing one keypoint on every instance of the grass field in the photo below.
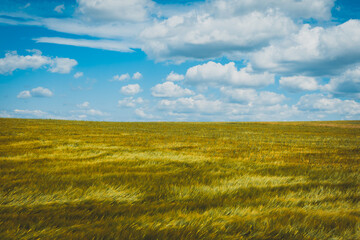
(102, 180)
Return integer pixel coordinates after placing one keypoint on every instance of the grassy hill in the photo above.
(103, 180)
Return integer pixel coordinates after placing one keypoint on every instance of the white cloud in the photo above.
(41, 92)
(137, 76)
(269, 98)
(325, 104)
(299, 83)
(121, 77)
(348, 83)
(245, 104)
(36, 92)
(83, 105)
(112, 10)
(94, 112)
(212, 73)
(131, 89)
(37, 113)
(169, 89)
(317, 9)
(140, 113)
(130, 102)
(59, 8)
(13, 61)
(264, 113)
(207, 30)
(108, 30)
(243, 96)
(84, 112)
(62, 65)
(173, 77)
(252, 97)
(313, 51)
(111, 45)
(238, 112)
(5, 114)
(78, 74)
(24, 94)
(198, 35)
(91, 114)
(196, 104)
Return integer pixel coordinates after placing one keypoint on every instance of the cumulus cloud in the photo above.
(270, 98)
(36, 92)
(36, 113)
(169, 89)
(299, 83)
(41, 92)
(244, 104)
(252, 97)
(316, 9)
(197, 35)
(94, 112)
(85, 112)
(212, 73)
(325, 104)
(131, 89)
(59, 8)
(72, 115)
(197, 104)
(346, 84)
(130, 102)
(243, 96)
(77, 114)
(137, 76)
(201, 108)
(78, 74)
(5, 114)
(114, 10)
(83, 105)
(173, 77)
(62, 65)
(90, 112)
(313, 51)
(24, 94)
(276, 112)
(121, 77)
(140, 113)
(206, 30)
(12, 61)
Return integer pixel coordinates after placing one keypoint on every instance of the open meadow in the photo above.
(104, 180)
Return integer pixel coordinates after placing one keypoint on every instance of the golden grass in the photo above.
(103, 180)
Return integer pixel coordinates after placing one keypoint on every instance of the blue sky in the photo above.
(215, 60)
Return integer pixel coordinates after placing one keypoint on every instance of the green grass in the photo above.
(102, 180)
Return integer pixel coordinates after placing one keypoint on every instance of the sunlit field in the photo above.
(103, 180)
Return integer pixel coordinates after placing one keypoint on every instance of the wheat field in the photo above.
(105, 180)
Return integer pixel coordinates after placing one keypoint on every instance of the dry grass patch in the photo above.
(103, 180)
